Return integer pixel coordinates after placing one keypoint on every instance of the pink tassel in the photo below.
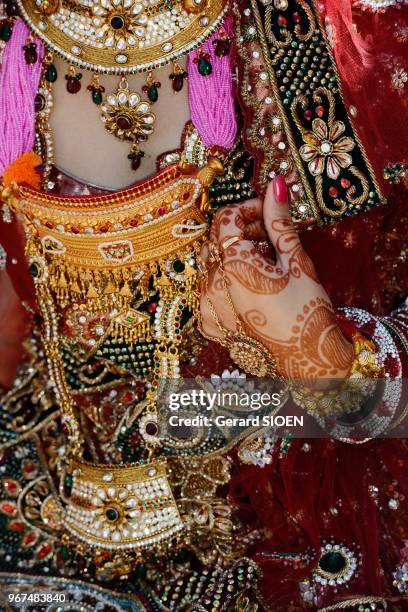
(19, 83)
(211, 98)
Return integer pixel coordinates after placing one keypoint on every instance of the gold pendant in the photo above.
(128, 118)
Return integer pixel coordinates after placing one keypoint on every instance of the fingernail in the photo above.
(280, 189)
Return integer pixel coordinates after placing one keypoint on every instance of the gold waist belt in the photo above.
(121, 508)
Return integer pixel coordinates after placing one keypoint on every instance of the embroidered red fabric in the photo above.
(326, 491)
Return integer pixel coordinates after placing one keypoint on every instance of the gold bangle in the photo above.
(348, 396)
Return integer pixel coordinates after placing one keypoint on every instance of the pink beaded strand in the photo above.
(19, 83)
(211, 98)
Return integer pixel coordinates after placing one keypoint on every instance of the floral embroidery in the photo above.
(401, 33)
(324, 144)
(398, 78)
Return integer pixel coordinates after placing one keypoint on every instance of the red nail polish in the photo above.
(280, 189)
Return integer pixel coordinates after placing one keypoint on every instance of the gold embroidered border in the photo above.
(328, 197)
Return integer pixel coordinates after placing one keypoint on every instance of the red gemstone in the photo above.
(186, 195)
(29, 467)
(104, 229)
(320, 111)
(30, 53)
(128, 397)
(29, 539)
(123, 122)
(11, 9)
(222, 47)
(333, 192)
(73, 85)
(49, 224)
(133, 222)
(282, 21)
(345, 183)
(177, 82)
(296, 17)
(136, 161)
(75, 229)
(161, 211)
(16, 526)
(308, 114)
(11, 486)
(152, 307)
(8, 508)
(44, 551)
(39, 103)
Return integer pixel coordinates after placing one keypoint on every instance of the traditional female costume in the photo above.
(95, 504)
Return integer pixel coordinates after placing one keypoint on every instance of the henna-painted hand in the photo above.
(280, 301)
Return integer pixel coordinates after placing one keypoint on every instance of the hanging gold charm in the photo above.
(129, 118)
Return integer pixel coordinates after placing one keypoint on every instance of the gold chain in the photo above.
(249, 354)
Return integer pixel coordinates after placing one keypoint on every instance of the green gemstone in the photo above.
(51, 74)
(68, 481)
(182, 556)
(140, 571)
(34, 270)
(97, 96)
(3, 522)
(64, 553)
(5, 32)
(204, 67)
(117, 22)
(112, 514)
(153, 93)
(332, 562)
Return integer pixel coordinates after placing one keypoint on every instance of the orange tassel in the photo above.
(23, 171)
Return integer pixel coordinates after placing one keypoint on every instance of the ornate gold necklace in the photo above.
(122, 36)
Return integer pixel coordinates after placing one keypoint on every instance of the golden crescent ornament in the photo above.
(122, 36)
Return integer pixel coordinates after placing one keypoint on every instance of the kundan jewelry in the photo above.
(128, 118)
(127, 37)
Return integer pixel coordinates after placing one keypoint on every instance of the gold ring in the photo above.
(229, 242)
